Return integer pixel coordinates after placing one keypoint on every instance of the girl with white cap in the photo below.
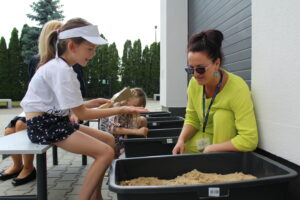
(54, 91)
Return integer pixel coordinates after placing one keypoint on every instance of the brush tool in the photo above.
(118, 97)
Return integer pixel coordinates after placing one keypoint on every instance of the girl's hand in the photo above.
(179, 148)
(133, 110)
(74, 118)
(96, 102)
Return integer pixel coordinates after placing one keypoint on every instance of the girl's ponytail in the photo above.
(50, 50)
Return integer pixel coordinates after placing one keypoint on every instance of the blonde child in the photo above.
(126, 124)
(47, 109)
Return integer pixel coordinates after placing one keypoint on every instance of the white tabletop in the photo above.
(19, 143)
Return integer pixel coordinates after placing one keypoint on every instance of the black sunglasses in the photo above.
(199, 70)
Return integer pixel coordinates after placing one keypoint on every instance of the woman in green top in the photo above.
(219, 114)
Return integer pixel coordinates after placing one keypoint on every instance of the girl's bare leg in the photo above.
(100, 135)
(28, 165)
(97, 192)
(17, 159)
(27, 158)
(104, 137)
(103, 154)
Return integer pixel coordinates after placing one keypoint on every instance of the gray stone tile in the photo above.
(73, 170)
(105, 195)
(71, 197)
(60, 167)
(21, 192)
(75, 189)
(69, 177)
(54, 174)
(57, 194)
(63, 185)
(79, 181)
(27, 187)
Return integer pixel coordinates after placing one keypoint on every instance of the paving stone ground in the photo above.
(65, 179)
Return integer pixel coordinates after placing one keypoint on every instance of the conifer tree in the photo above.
(136, 64)
(24, 76)
(113, 68)
(29, 42)
(14, 56)
(154, 67)
(145, 71)
(126, 64)
(4, 79)
(44, 10)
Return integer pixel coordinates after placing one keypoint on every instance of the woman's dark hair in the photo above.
(209, 41)
(62, 45)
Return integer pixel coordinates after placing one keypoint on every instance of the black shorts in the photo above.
(49, 129)
(13, 122)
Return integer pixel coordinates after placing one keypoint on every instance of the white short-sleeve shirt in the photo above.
(53, 89)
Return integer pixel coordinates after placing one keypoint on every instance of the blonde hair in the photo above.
(140, 94)
(136, 93)
(47, 29)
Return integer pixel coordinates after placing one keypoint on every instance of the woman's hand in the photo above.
(209, 148)
(220, 147)
(96, 102)
(133, 110)
(179, 148)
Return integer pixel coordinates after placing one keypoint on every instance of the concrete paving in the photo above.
(65, 179)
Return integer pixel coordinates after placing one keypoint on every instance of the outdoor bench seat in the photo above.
(8, 101)
(19, 143)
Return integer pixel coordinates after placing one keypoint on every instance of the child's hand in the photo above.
(133, 110)
(74, 118)
(101, 101)
(96, 102)
(144, 131)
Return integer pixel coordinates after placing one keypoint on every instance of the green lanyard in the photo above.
(205, 116)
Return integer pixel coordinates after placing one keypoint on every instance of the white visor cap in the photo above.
(89, 33)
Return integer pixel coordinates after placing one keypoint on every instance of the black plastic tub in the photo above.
(272, 182)
(168, 122)
(137, 147)
(158, 142)
(151, 119)
(157, 114)
(154, 133)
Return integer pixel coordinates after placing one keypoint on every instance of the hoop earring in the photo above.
(216, 74)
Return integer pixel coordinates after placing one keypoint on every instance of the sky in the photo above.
(117, 20)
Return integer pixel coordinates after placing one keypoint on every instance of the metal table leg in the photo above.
(54, 155)
(41, 164)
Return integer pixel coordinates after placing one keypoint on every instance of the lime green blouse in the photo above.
(236, 97)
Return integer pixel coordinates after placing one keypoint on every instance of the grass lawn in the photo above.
(14, 104)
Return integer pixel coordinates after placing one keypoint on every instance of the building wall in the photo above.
(276, 75)
(233, 18)
(173, 36)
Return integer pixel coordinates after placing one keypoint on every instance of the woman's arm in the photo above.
(224, 146)
(245, 122)
(191, 119)
(187, 132)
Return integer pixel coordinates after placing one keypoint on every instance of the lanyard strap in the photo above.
(205, 116)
